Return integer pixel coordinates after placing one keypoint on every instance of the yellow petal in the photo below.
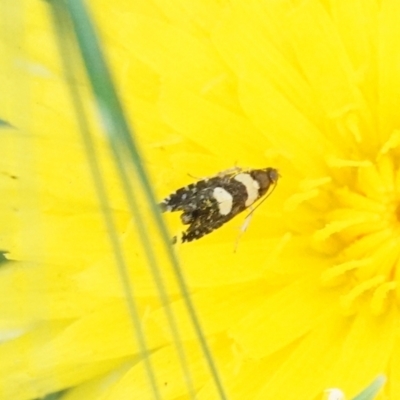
(284, 317)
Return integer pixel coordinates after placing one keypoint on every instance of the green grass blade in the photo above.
(372, 390)
(125, 149)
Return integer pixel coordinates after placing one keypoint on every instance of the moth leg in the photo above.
(243, 228)
(229, 171)
(233, 170)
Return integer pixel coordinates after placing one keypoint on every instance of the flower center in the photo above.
(364, 230)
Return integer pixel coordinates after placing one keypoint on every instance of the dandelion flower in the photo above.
(310, 299)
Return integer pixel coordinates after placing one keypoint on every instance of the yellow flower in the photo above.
(310, 299)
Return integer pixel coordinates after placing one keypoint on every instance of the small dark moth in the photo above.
(209, 203)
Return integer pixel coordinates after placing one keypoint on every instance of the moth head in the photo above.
(265, 178)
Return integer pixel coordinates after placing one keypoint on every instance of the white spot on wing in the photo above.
(252, 187)
(224, 200)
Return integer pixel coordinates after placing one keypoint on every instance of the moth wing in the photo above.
(189, 198)
(204, 223)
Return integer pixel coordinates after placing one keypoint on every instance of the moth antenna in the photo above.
(262, 201)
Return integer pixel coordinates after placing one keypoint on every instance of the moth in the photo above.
(209, 203)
